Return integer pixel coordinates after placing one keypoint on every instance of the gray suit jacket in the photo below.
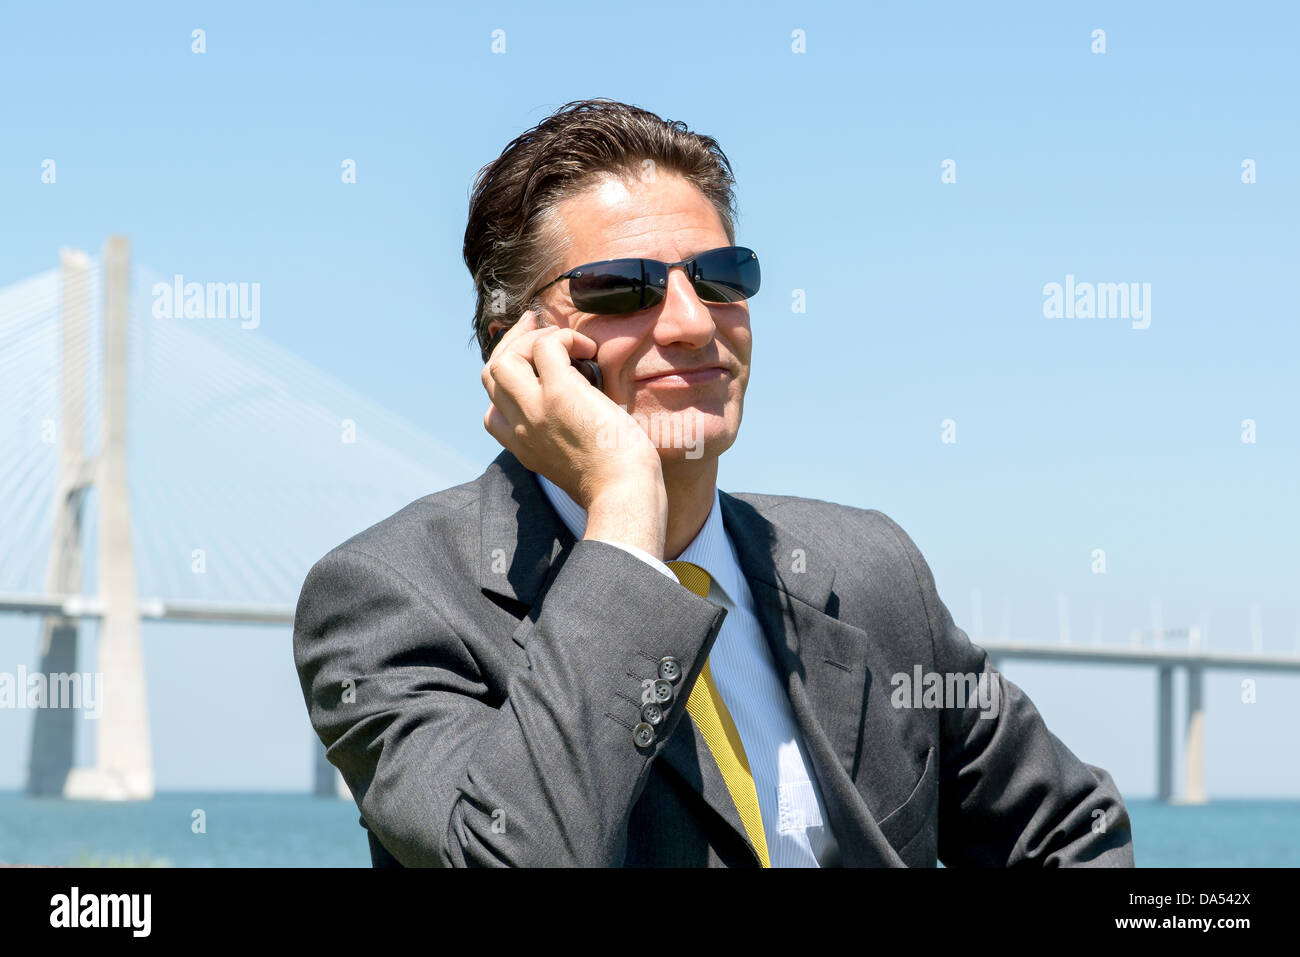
(476, 674)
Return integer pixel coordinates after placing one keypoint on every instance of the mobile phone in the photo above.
(588, 367)
(590, 371)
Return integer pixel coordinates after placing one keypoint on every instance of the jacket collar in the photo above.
(521, 536)
(822, 661)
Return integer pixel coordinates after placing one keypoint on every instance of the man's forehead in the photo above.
(608, 191)
(614, 219)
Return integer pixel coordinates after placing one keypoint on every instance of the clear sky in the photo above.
(924, 298)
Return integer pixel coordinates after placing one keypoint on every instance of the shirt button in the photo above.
(670, 669)
(663, 691)
(652, 714)
(644, 735)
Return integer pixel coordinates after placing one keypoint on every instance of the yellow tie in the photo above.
(710, 714)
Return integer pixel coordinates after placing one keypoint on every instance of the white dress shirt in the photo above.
(794, 815)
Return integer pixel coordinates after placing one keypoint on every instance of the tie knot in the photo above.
(692, 577)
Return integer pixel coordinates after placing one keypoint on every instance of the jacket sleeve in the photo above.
(1010, 792)
(446, 776)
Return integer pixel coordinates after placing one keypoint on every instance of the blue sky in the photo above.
(924, 298)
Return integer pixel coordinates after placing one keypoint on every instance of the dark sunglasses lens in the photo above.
(727, 275)
(609, 288)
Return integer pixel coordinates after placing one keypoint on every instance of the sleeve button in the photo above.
(670, 669)
(663, 692)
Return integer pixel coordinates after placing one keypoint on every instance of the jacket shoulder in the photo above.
(810, 517)
(873, 557)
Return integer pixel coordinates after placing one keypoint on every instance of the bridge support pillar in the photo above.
(1164, 733)
(123, 768)
(54, 729)
(327, 781)
(1194, 740)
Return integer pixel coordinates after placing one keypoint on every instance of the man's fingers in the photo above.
(523, 334)
(552, 355)
(509, 366)
(512, 366)
(513, 375)
(506, 401)
(496, 424)
(580, 346)
(527, 323)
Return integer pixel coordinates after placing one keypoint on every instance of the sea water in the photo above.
(180, 829)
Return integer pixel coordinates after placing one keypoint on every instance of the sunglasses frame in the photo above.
(576, 273)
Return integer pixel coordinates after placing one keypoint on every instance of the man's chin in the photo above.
(689, 434)
(695, 449)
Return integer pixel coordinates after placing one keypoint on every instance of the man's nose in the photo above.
(683, 318)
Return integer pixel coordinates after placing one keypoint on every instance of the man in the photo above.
(510, 672)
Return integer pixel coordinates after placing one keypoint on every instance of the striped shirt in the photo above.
(794, 816)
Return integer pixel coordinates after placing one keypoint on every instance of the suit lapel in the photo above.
(687, 753)
(821, 661)
(523, 544)
(520, 535)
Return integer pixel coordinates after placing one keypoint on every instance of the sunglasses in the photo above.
(616, 287)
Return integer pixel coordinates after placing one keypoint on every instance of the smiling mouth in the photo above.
(685, 376)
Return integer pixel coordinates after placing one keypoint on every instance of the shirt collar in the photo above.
(711, 549)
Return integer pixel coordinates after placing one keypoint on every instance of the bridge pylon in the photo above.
(123, 763)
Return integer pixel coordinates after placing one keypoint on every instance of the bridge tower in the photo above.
(123, 768)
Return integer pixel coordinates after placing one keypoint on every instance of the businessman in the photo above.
(591, 655)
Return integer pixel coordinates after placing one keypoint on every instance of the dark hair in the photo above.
(514, 236)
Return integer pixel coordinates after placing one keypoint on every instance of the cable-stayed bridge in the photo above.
(164, 461)
(160, 465)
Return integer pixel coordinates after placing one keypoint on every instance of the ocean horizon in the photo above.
(291, 829)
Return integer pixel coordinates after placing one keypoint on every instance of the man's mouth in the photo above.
(682, 377)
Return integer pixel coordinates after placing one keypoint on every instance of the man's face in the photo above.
(691, 416)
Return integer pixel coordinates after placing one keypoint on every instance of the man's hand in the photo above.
(558, 426)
